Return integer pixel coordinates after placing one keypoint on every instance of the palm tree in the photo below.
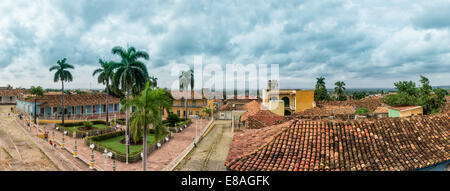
(36, 91)
(320, 82)
(62, 74)
(153, 81)
(339, 89)
(131, 75)
(206, 110)
(148, 111)
(186, 79)
(105, 74)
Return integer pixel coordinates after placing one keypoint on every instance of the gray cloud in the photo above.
(354, 41)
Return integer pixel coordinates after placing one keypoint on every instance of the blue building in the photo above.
(78, 105)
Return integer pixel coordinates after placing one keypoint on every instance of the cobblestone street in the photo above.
(157, 160)
(211, 152)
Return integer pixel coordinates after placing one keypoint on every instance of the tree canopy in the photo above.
(321, 93)
(432, 100)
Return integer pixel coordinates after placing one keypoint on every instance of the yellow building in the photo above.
(405, 111)
(194, 106)
(287, 101)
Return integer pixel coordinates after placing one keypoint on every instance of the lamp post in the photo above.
(35, 111)
(75, 152)
(105, 154)
(109, 155)
(53, 135)
(114, 164)
(62, 145)
(91, 164)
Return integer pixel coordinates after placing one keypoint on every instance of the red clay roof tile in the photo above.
(385, 144)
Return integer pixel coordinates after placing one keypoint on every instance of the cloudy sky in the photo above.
(364, 43)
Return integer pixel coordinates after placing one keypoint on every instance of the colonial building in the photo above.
(286, 101)
(195, 103)
(405, 111)
(78, 105)
(8, 95)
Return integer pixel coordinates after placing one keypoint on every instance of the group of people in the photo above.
(50, 141)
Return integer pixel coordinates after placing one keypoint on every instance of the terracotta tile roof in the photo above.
(229, 105)
(405, 108)
(263, 118)
(74, 100)
(327, 110)
(252, 108)
(13, 92)
(257, 117)
(381, 110)
(371, 103)
(250, 140)
(386, 144)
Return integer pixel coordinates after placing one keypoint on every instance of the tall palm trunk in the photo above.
(107, 102)
(144, 157)
(62, 109)
(185, 105)
(127, 134)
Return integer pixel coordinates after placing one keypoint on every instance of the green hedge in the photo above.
(80, 123)
(176, 129)
(70, 132)
(119, 121)
(133, 157)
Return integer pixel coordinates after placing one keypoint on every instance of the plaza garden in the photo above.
(115, 142)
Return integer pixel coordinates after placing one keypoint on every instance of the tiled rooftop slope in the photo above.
(386, 144)
(74, 100)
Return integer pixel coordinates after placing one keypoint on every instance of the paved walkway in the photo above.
(211, 152)
(20, 150)
(157, 160)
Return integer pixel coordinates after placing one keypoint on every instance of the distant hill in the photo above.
(443, 87)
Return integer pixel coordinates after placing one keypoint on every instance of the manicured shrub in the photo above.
(362, 110)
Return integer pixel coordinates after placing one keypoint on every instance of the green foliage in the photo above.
(130, 72)
(38, 91)
(362, 110)
(321, 93)
(206, 110)
(341, 98)
(105, 72)
(408, 94)
(88, 124)
(62, 73)
(172, 119)
(359, 95)
(339, 90)
(79, 92)
(147, 111)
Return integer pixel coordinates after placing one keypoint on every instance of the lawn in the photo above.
(115, 145)
(75, 128)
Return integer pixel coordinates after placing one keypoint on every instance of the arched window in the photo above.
(286, 101)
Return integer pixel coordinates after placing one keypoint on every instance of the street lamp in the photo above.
(53, 135)
(75, 152)
(105, 154)
(91, 164)
(62, 145)
(110, 156)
